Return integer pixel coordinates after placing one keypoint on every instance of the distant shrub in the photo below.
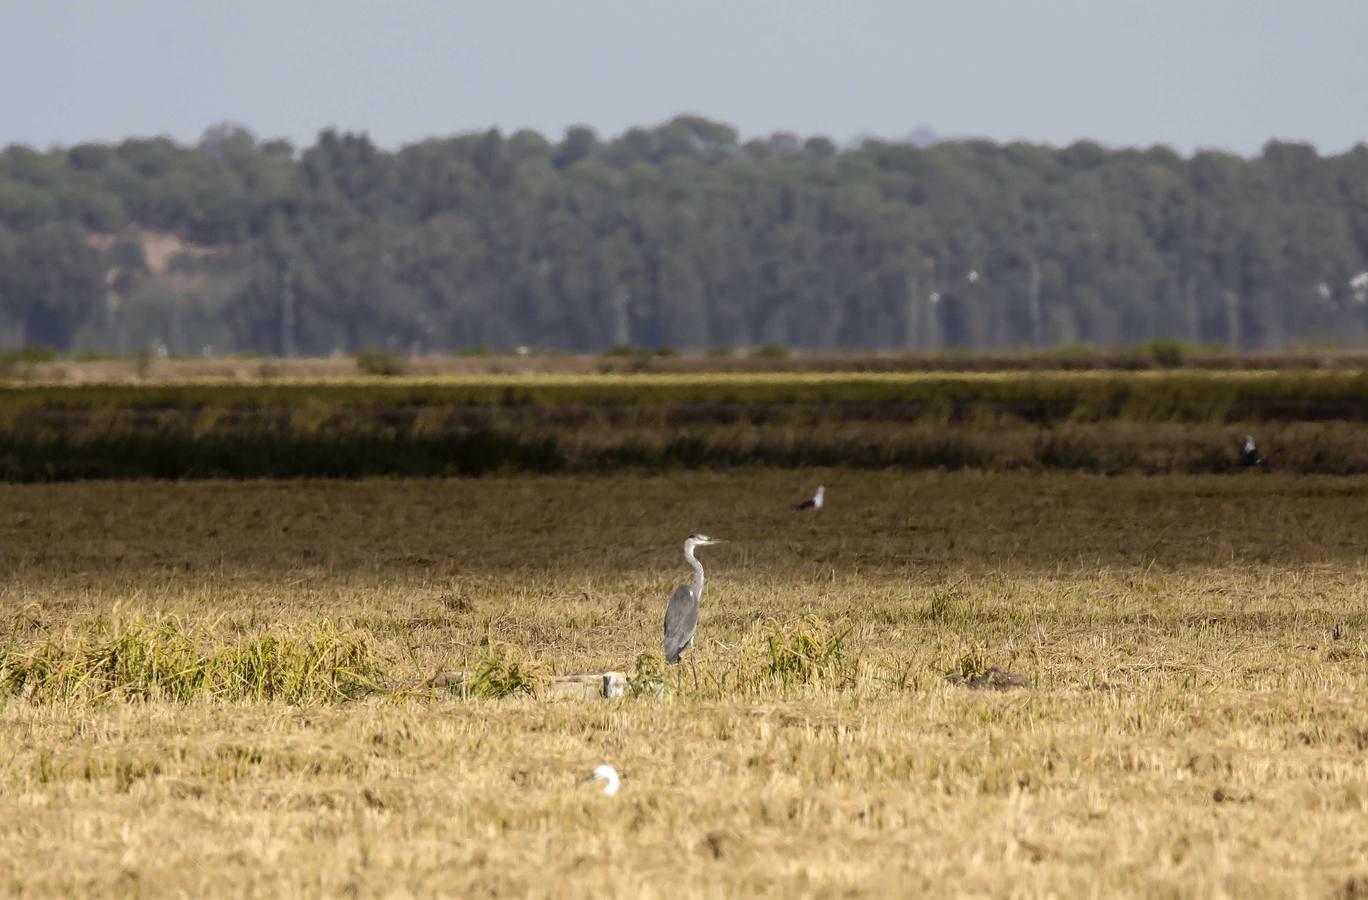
(719, 352)
(621, 350)
(770, 351)
(29, 354)
(1168, 354)
(380, 362)
(477, 350)
(17, 362)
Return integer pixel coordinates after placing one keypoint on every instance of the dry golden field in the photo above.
(1195, 724)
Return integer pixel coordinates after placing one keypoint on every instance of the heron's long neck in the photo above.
(698, 571)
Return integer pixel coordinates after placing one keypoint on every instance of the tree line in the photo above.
(681, 236)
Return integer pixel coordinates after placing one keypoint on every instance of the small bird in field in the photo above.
(1249, 454)
(814, 502)
(609, 776)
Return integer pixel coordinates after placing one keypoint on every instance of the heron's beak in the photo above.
(587, 778)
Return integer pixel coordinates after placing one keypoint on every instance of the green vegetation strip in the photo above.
(419, 428)
(1179, 395)
(167, 660)
(106, 660)
(1339, 449)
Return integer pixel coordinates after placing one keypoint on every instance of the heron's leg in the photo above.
(694, 669)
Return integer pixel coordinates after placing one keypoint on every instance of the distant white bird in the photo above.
(1359, 285)
(815, 501)
(1249, 454)
(609, 776)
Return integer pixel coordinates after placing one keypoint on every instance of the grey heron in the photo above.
(609, 776)
(814, 502)
(681, 616)
(1249, 455)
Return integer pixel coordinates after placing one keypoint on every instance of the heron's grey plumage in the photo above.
(681, 616)
(681, 621)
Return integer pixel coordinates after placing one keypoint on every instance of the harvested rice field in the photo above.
(1006, 683)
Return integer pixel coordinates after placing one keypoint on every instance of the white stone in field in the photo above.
(589, 685)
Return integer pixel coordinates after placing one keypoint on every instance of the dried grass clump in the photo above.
(950, 607)
(167, 660)
(807, 651)
(648, 679)
(506, 672)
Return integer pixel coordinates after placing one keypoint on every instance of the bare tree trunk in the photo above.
(622, 329)
(1193, 323)
(287, 327)
(1232, 305)
(912, 312)
(1033, 303)
(177, 340)
(933, 321)
(930, 307)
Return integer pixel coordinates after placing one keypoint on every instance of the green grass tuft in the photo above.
(166, 660)
(505, 672)
(806, 652)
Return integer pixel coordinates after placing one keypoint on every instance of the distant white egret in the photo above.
(609, 776)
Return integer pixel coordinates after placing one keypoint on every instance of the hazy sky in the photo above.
(1189, 73)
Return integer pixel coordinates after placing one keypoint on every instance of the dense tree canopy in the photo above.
(681, 236)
